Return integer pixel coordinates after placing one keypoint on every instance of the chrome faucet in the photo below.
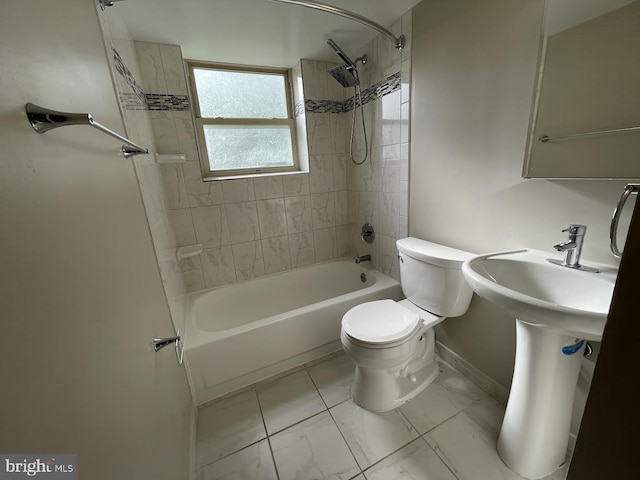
(572, 249)
(363, 258)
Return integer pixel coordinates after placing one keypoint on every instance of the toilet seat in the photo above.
(382, 322)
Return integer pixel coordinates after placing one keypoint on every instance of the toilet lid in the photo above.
(381, 321)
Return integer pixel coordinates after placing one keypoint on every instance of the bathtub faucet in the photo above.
(363, 258)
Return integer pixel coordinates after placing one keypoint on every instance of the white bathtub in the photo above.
(239, 334)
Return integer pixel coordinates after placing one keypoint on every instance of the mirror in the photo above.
(586, 120)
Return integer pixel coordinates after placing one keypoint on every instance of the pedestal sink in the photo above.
(556, 310)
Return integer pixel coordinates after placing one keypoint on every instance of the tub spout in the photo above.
(363, 258)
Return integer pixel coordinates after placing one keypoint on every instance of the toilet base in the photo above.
(399, 390)
(380, 390)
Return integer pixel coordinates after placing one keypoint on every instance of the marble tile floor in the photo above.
(304, 425)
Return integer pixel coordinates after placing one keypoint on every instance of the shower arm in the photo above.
(398, 41)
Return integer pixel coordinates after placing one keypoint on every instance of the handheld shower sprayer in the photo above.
(347, 76)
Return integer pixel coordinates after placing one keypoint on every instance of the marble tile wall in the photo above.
(248, 227)
(255, 226)
(263, 225)
(378, 190)
(128, 82)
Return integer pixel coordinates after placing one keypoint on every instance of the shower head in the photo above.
(343, 56)
(347, 74)
(347, 77)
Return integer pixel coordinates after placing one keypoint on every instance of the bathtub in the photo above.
(239, 334)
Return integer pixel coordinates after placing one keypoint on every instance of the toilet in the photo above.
(393, 343)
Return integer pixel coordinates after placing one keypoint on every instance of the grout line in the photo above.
(316, 387)
(273, 458)
(345, 441)
(297, 423)
(226, 396)
(324, 358)
(442, 457)
(407, 418)
(264, 423)
(266, 432)
(394, 452)
(443, 460)
(246, 389)
(328, 410)
(230, 454)
(445, 421)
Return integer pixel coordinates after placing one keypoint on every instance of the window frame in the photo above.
(201, 122)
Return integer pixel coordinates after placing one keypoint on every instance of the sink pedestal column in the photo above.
(535, 432)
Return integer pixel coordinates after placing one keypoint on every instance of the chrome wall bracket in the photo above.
(160, 343)
(44, 119)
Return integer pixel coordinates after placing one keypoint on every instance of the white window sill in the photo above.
(254, 175)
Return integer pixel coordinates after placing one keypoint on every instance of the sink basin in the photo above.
(535, 291)
(556, 309)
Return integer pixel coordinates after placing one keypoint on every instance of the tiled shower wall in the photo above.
(247, 227)
(378, 190)
(126, 77)
(252, 227)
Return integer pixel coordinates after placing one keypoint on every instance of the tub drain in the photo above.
(363, 277)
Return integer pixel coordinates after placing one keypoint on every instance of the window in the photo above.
(244, 119)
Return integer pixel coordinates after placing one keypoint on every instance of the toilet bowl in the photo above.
(393, 343)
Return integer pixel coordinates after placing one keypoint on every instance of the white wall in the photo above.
(80, 292)
(473, 70)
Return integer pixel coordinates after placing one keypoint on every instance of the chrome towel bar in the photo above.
(44, 119)
(632, 188)
(547, 138)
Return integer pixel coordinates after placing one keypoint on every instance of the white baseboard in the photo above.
(482, 380)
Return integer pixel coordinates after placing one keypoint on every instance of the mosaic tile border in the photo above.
(161, 101)
(156, 102)
(380, 89)
(128, 77)
(138, 100)
(324, 106)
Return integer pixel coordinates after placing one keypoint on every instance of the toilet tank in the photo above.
(431, 277)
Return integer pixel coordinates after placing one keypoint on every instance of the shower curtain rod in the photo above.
(398, 41)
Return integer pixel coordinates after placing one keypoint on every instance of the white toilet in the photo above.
(393, 343)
